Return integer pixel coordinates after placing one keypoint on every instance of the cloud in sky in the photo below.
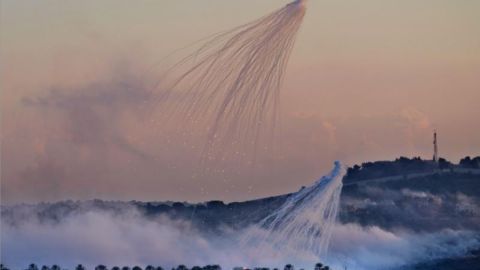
(91, 115)
(92, 139)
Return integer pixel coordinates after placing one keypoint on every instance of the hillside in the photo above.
(412, 194)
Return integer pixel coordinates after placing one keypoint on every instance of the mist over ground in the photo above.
(99, 237)
(382, 225)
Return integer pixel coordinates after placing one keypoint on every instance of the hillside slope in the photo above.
(423, 198)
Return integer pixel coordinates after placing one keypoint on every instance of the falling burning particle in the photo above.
(231, 84)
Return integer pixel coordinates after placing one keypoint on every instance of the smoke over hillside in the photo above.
(383, 225)
(129, 238)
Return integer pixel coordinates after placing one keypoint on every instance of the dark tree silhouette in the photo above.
(465, 162)
(32, 266)
(470, 163)
(182, 267)
(444, 164)
(318, 266)
(101, 267)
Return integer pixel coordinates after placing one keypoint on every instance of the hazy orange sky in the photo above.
(367, 80)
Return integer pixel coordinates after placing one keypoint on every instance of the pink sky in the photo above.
(367, 80)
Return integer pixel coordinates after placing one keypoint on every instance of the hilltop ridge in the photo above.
(406, 193)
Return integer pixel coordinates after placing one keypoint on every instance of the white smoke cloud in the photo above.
(373, 248)
(96, 237)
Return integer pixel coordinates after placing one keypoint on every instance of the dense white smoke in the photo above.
(304, 223)
(362, 248)
(129, 239)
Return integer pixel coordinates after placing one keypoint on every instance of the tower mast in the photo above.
(435, 146)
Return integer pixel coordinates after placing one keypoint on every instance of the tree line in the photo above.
(318, 266)
(404, 165)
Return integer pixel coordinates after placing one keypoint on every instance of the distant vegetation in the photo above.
(404, 166)
(318, 266)
(413, 194)
(418, 195)
(423, 196)
(469, 261)
(472, 163)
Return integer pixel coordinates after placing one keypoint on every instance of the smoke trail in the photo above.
(230, 86)
(303, 224)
